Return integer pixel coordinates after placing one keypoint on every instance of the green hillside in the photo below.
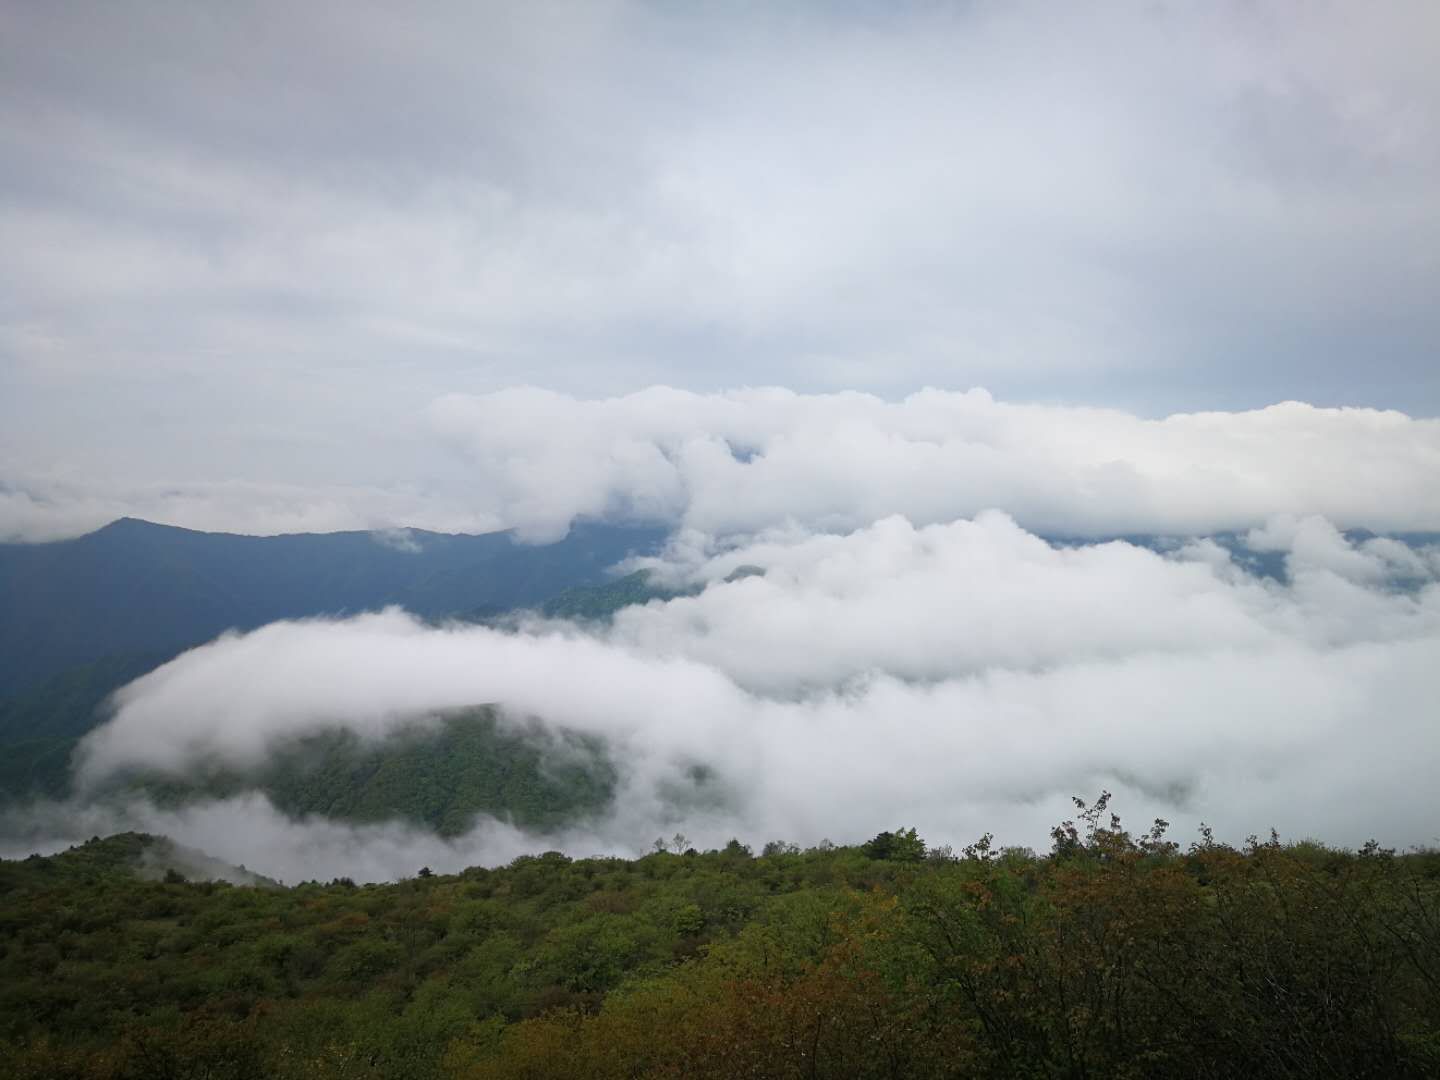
(600, 602)
(438, 774)
(1113, 956)
(126, 857)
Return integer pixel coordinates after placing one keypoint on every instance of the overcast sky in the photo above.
(248, 247)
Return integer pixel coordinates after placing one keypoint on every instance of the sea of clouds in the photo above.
(960, 678)
(915, 651)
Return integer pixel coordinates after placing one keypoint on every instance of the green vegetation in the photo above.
(439, 775)
(586, 603)
(1113, 956)
(137, 855)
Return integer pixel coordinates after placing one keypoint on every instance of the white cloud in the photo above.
(960, 599)
(401, 540)
(753, 459)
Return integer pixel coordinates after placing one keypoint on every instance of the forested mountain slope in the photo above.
(1113, 956)
(439, 774)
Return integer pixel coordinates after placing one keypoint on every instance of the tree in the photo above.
(902, 845)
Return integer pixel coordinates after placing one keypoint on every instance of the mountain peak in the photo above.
(130, 524)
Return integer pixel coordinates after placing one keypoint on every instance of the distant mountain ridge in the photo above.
(138, 587)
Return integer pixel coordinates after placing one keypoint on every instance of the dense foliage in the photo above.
(439, 773)
(1112, 956)
(600, 602)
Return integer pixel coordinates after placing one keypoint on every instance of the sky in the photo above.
(882, 299)
(250, 251)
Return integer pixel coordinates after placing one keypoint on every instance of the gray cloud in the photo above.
(273, 235)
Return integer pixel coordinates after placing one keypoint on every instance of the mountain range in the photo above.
(135, 587)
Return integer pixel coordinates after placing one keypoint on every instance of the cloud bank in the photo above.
(744, 461)
(957, 677)
(753, 459)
